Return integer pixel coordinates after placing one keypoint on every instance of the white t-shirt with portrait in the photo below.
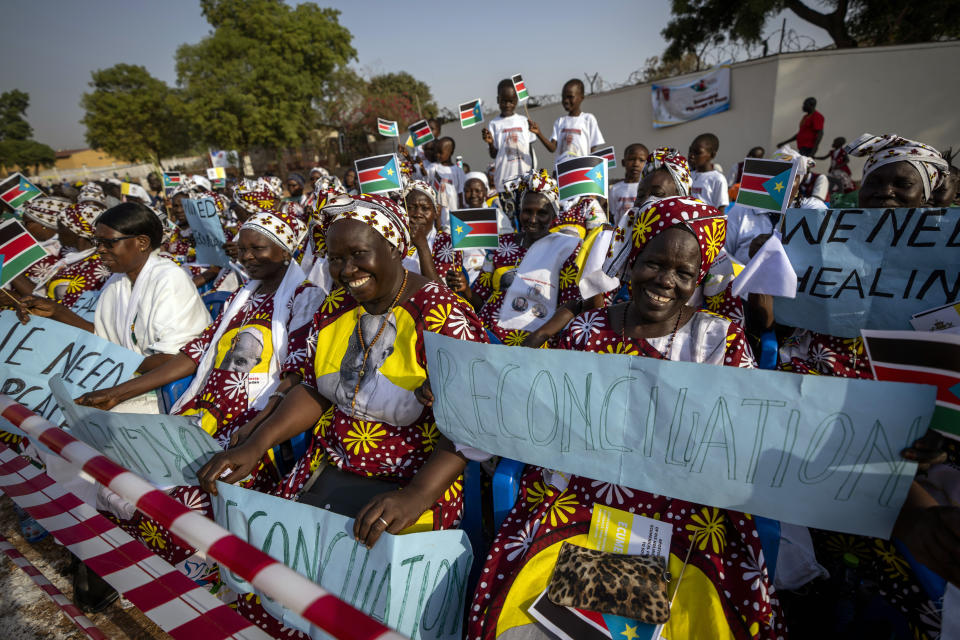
(622, 195)
(576, 135)
(448, 181)
(512, 139)
(711, 187)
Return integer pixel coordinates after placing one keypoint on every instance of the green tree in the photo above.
(133, 116)
(697, 25)
(17, 149)
(404, 84)
(267, 74)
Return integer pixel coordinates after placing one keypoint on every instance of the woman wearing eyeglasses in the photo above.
(149, 305)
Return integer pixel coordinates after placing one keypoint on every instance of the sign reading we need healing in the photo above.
(415, 583)
(31, 354)
(204, 221)
(869, 268)
(813, 451)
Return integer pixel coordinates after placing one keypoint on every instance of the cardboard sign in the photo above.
(207, 231)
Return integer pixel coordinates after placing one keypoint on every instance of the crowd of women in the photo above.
(323, 334)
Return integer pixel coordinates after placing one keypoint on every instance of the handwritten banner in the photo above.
(166, 450)
(86, 305)
(869, 268)
(208, 235)
(32, 353)
(813, 451)
(414, 583)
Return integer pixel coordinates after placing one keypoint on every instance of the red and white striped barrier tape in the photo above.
(294, 591)
(69, 609)
(177, 604)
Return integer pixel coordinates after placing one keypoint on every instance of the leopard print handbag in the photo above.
(630, 586)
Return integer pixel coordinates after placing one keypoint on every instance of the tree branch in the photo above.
(833, 23)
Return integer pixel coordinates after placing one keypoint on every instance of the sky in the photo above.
(461, 50)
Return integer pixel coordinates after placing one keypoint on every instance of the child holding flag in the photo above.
(509, 138)
(447, 178)
(575, 134)
(622, 194)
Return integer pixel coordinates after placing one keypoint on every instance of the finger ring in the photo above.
(385, 523)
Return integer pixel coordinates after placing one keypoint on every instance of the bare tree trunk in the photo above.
(833, 23)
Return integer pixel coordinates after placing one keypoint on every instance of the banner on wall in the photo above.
(703, 96)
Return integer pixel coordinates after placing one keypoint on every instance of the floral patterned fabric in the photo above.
(72, 281)
(445, 258)
(489, 285)
(725, 591)
(822, 354)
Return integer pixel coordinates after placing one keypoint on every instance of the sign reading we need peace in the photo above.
(869, 268)
(32, 353)
(415, 583)
(814, 451)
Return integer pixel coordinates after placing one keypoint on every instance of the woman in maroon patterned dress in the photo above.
(431, 253)
(725, 591)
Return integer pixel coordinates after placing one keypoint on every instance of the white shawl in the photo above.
(532, 297)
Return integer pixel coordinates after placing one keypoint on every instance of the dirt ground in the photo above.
(26, 613)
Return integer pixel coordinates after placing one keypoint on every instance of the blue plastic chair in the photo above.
(215, 302)
(171, 392)
(768, 350)
(932, 583)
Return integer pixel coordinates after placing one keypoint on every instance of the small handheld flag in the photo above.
(17, 191)
(470, 114)
(421, 133)
(474, 229)
(388, 128)
(18, 249)
(609, 154)
(582, 176)
(767, 184)
(520, 88)
(217, 177)
(378, 174)
(171, 180)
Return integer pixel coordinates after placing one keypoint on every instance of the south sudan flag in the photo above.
(18, 250)
(388, 128)
(474, 228)
(420, 131)
(609, 154)
(582, 176)
(171, 180)
(766, 184)
(520, 88)
(378, 174)
(470, 114)
(921, 357)
(17, 191)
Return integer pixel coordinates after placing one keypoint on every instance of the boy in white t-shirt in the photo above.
(447, 178)
(709, 184)
(509, 138)
(575, 134)
(622, 194)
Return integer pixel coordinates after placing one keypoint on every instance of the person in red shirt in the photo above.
(811, 129)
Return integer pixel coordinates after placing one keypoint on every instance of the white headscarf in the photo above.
(890, 148)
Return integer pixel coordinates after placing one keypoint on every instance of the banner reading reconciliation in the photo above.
(813, 451)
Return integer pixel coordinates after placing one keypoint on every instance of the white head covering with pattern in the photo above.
(890, 148)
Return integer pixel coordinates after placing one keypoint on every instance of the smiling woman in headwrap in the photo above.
(511, 300)
(673, 243)
(364, 372)
(236, 364)
(899, 172)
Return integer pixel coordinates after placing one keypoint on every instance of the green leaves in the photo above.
(16, 147)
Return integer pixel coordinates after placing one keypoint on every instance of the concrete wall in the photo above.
(905, 89)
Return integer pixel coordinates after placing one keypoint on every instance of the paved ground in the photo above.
(26, 613)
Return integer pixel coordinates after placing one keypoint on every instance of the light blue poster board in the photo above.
(86, 305)
(207, 230)
(869, 268)
(415, 583)
(32, 353)
(813, 451)
(168, 451)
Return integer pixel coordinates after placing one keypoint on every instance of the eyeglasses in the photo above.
(109, 242)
